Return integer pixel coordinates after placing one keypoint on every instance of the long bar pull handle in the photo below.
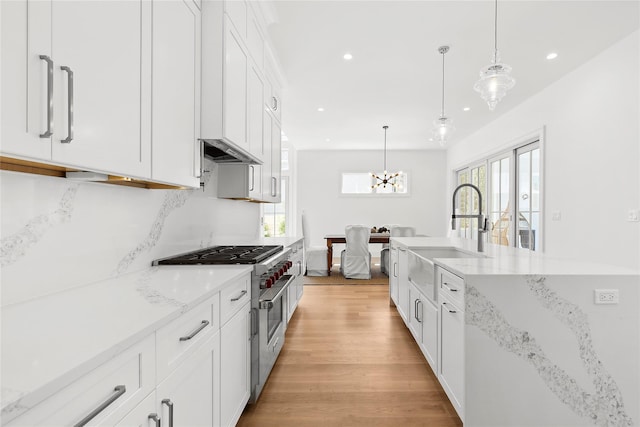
(194, 333)
(243, 293)
(448, 309)
(274, 188)
(156, 419)
(169, 404)
(274, 103)
(419, 311)
(395, 273)
(254, 322)
(49, 130)
(118, 391)
(253, 177)
(69, 137)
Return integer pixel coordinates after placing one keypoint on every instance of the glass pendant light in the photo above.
(386, 178)
(495, 78)
(442, 126)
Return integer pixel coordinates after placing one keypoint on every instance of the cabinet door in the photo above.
(393, 274)
(414, 323)
(428, 315)
(234, 90)
(276, 162)
(255, 106)
(176, 93)
(25, 35)
(191, 393)
(106, 103)
(267, 181)
(403, 285)
(451, 354)
(236, 359)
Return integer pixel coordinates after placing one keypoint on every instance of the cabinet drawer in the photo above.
(233, 297)
(182, 336)
(108, 392)
(451, 285)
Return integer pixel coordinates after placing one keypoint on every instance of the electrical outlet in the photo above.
(606, 296)
(633, 215)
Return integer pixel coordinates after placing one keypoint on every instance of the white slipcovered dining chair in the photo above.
(395, 231)
(355, 260)
(315, 257)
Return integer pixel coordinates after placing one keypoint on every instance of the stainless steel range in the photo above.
(271, 277)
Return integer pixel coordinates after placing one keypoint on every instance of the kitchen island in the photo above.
(520, 340)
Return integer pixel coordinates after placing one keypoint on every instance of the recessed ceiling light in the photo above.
(552, 55)
(320, 109)
(466, 109)
(348, 56)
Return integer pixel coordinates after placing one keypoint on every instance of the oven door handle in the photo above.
(268, 303)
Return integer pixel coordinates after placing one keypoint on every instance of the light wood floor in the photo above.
(348, 360)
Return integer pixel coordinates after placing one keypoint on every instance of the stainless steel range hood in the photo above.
(225, 151)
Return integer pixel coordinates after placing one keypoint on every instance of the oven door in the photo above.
(272, 324)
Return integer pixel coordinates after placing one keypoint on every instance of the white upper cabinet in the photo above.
(81, 77)
(234, 90)
(176, 93)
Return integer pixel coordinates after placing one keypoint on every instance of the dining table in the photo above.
(342, 238)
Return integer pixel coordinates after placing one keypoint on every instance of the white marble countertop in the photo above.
(53, 340)
(506, 260)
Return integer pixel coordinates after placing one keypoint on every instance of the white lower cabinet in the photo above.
(142, 415)
(296, 289)
(403, 284)
(236, 359)
(393, 273)
(190, 395)
(451, 352)
(423, 324)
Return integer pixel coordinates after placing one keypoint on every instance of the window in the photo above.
(274, 214)
(510, 186)
(361, 183)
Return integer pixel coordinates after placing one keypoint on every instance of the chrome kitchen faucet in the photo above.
(482, 221)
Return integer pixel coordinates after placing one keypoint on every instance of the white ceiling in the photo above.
(395, 75)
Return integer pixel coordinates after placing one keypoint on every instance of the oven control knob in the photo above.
(281, 271)
(268, 283)
(290, 264)
(276, 275)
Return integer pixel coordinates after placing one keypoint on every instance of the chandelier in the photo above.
(386, 177)
(495, 78)
(442, 126)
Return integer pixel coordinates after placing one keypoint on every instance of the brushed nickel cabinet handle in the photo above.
(156, 419)
(243, 293)
(448, 309)
(274, 188)
(169, 404)
(274, 103)
(69, 137)
(49, 130)
(203, 325)
(419, 311)
(118, 391)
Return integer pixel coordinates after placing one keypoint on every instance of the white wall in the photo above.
(591, 160)
(328, 211)
(57, 234)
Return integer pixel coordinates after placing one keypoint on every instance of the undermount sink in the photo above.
(448, 252)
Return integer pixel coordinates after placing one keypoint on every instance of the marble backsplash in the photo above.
(56, 233)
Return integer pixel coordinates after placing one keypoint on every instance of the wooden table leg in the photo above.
(329, 256)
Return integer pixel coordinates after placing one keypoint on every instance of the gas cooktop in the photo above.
(222, 255)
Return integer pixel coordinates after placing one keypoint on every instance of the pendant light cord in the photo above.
(442, 112)
(385, 147)
(495, 29)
